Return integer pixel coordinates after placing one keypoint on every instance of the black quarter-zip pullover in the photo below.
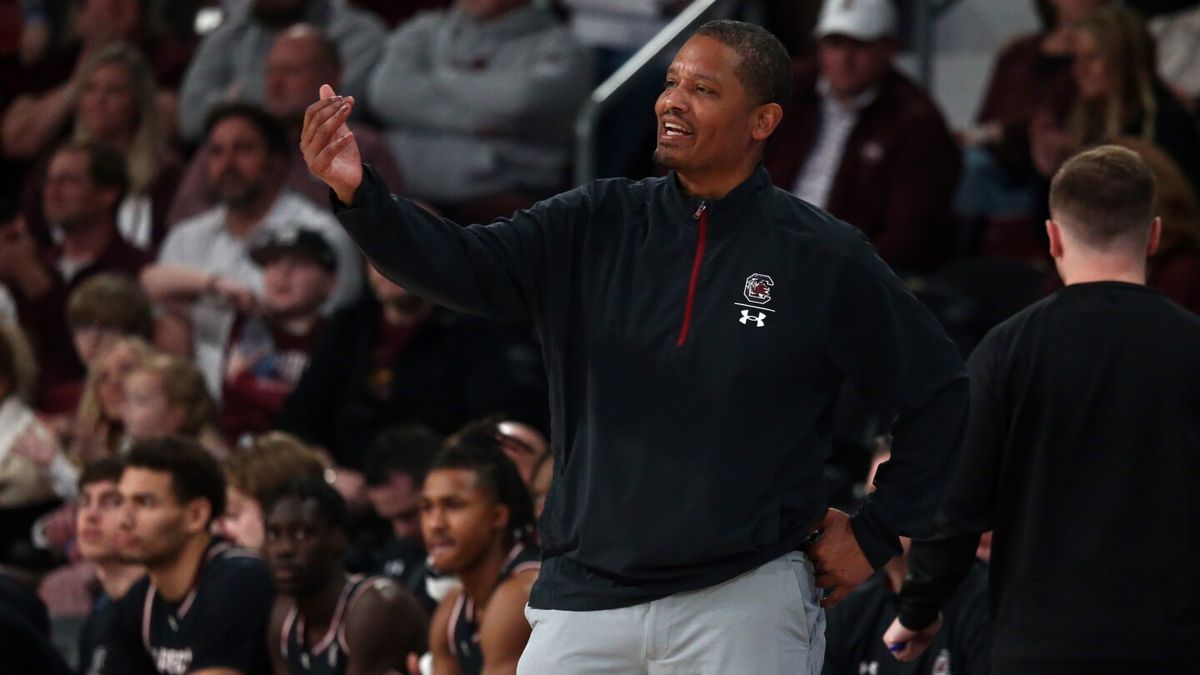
(694, 351)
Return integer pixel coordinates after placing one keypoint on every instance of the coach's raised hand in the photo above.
(328, 145)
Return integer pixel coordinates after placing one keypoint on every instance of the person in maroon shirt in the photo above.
(996, 198)
(269, 349)
(269, 339)
(893, 171)
(84, 184)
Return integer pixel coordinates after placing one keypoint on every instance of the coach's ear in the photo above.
(196, 515)
(765, 120)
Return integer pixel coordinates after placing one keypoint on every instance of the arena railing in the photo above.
(927, 14)
(610, 91)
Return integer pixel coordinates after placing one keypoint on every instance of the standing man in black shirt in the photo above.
(204, 605)
(1083, 450)
(696, 329)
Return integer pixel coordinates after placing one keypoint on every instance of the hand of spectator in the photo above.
(908, 645)
(62, 426)
(352, 485)
(57, 528)
(982, 134)
(36, 444)
(523, 455)
(839, 562)
(328, 145)
(234, 294)
(35, 39)
(240, 362)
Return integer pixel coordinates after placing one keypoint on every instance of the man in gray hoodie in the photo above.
(478, 103)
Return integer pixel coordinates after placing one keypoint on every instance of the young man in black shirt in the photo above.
(1083, 450)
(696, 329)
(97, 527)
(203, 607)
(331, 623)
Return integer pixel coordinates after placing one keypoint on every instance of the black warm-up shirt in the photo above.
(220, 623)
(1083, 453)
(694, 350)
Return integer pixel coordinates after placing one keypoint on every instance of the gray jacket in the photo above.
(472, 109)
(231, 63)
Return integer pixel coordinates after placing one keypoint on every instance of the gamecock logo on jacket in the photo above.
(758, 289)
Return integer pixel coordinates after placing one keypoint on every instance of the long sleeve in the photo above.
(884, 341)
(493, 270)
(938, 563)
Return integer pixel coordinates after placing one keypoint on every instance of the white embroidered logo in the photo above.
(759, 320)
(871, 668)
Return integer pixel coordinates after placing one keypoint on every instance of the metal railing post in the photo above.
(924, 39)
(618, 82)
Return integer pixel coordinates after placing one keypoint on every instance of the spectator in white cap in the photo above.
(865, 143)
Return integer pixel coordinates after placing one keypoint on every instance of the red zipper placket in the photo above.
(701, 215)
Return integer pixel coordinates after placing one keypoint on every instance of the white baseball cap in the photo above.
(864, 20)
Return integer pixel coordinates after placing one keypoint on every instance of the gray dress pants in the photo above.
(767, 621)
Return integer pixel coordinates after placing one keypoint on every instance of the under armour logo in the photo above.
(758, 319)
(871, 668)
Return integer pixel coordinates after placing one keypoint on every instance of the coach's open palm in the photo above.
(328, 145)
(839, 562)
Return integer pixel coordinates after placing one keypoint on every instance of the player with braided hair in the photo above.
(477, 518)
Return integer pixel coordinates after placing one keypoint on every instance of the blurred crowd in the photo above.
(170, 269)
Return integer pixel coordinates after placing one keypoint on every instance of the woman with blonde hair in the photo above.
(264, 465)
(117, 104)
(166, 395)
(99, 429)
(1116, 93)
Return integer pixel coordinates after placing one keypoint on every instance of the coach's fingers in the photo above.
(323, 160)
(323, 118)
(826, 580)
(311, 113)
(839, 593)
